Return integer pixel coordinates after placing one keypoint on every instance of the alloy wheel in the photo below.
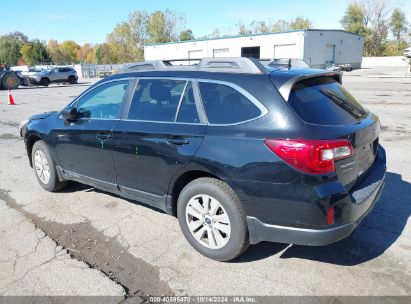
(42, 166)
(208, 221)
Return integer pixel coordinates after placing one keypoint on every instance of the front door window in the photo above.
(103, 102)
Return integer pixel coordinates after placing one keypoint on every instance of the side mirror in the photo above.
(70, 114)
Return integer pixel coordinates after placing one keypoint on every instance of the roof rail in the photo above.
(284, 62)
(145, 65)
(227, 65)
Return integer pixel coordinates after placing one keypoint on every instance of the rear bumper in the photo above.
(260, 231)
(362, 201)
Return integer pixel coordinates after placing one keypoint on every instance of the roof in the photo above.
(226, 64)
(252, 35)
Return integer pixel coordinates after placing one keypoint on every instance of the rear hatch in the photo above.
(331, 112)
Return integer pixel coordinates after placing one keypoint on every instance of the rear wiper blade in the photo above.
(350, 108)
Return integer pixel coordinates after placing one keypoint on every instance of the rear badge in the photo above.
(347, 164)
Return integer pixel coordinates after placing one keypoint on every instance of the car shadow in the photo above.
(75, 187)
(377, 232)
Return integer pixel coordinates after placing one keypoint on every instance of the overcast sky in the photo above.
(91, 20)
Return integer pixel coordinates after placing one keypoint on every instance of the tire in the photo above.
(45, 82)
(10, 81)
(43, 162)
(229, 240)
(72, 80)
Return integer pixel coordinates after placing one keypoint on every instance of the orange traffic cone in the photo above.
(11, 100)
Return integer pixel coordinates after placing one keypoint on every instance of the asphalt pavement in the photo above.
(82, 241)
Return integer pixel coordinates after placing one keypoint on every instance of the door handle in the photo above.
(103, 136)
(178, 141)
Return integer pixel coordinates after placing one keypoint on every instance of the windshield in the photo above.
(322, 100)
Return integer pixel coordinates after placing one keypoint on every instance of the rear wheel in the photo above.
(212, 219)
(44, 168)
(72, 80)
(45, 82)
(10, 81)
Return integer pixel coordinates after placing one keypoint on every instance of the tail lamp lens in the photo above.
(311, 156)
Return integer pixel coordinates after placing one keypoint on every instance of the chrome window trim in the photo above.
(165, 122)
(197, 96)
(95, 87)
(246, 94)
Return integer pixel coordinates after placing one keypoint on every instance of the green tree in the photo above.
(34, 52)
(392, 48)
(300, 23)
(103, 54)
(242, 29)
(19, 36)
(86, 53)
(354, 20)
(280, 26)
(126, 42)
(9, 50)
(163, 26)
(186, 35)
(261, 27)
(53, 48)
(398, 25)
(69, 50)
(368, 20)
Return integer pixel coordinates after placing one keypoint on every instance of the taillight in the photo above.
(311, 156)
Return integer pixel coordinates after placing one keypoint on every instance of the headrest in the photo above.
(159, 92)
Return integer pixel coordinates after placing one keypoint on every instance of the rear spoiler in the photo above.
(285, 88)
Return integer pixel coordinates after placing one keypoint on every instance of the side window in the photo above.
(225, 105)
(104, 101)
(188, 110)
(156, 99)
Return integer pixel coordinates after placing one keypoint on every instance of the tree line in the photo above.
(373, 19)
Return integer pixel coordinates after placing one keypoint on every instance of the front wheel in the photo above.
(212, 219)
(45, 168)
(72, 80)
(45, 82)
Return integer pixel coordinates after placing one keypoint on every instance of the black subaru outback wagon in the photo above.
(238, 151)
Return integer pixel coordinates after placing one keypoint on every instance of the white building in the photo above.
(316, 47)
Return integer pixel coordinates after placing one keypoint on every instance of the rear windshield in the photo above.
(322, 100)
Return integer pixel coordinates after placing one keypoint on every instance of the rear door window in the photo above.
(322, 100)
(225, 105)
(156, 99)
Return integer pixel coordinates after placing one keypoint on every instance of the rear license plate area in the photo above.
(365, 157)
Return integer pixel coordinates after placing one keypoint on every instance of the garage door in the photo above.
(286, 51)
(329, 53)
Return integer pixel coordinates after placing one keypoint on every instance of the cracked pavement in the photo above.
(375, 260)
(31, 263)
